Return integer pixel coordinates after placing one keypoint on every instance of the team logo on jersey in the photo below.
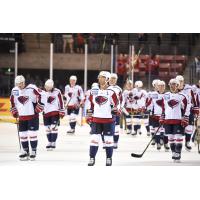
(51, 99)
(101, 100)
(136, 98)
(159, 102)
(69, 94)
(23, 99)
(130, 97)
(173, 103)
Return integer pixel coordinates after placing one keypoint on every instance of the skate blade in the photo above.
(189, 150)
(32, 159)
(49, 149)
(24, 159)
(177, 161)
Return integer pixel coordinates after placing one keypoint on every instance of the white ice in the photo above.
(73, 150)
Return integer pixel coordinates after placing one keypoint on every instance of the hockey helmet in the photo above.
(49, 83)
(73, 78)
(138, 84)
(180, 78)
(104, 74)
(19, 79)
(154, 82)
(174, 81)
(160, 82)
(95, 85)
(113, 75)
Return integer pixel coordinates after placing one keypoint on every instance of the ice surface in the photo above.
(73, 150)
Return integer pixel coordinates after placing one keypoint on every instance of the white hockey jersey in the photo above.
(118, 92)
(134, 99)
(74, 96)
(175, 106)
(25, 101)
(101, 103)
(53, 102)
(189, 93)
(154, 103)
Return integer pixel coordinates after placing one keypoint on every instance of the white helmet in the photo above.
(19, 79)
(155, 82)
(138, 84)
(174, 80)
(73, 78)
(161, 82)
(113, 75)
(95, 85)
(49, 83)
(180, 78)
(104, 74)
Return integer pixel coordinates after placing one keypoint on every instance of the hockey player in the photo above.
(175, 112)
(151, 130)
(53, 111)
(103, 106)
(74, 100)
(134, 103)
(155, 107)
(126, 105)
(140, 96)
(194, 109)
(26, 106)
(113, 86)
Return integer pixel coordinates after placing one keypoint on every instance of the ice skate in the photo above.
(108, 161)
(91, 162)
(32, 155)
(71, 131)
(24, 156)
(187, 146)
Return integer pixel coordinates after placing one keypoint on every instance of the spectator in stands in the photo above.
(152, 66)
(58, 42)
(159, 39)
(80, 43)
(68, 40)
(92, 43)
(122, 69)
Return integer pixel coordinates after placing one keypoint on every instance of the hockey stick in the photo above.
(17, 122)
(140, 155)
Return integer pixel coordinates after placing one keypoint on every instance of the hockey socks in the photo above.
(93, 151)
(109, 152)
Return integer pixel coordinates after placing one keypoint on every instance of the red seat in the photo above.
(164, 67)
(176, 67)
(142, 67)
(166, 58)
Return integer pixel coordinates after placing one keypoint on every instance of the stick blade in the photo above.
(136, 155)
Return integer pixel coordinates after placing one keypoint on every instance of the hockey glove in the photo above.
(195, 111)
(14, 112)
(162, 119)
(185, 121)
(39, 108)
(115, 111)
(89, 113)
